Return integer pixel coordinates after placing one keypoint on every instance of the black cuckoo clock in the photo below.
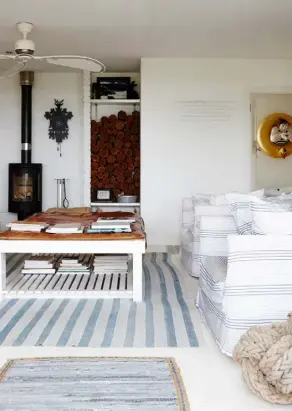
(58, 127)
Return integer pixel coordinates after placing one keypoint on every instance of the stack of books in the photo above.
(31, 227)
(39, 264)
(75, 264)
(110, 264)
(111, 225)
(66, 228)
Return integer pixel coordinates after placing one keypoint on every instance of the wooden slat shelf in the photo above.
(73, 285)
(115, 101)
(115, 204)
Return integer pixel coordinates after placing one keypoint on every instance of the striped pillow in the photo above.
(188, 213)
(271, 218)
(240, 206)
(201, 198)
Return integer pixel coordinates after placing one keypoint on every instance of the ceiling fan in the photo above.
(24, 53)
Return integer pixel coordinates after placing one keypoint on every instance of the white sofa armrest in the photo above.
(259, 277)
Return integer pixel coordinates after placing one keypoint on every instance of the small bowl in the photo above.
(127, 199)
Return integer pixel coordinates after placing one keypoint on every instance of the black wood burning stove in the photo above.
(25, 178)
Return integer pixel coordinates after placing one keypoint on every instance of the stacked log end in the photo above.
(115, 153)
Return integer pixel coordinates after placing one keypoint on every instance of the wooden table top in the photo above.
(85, 219)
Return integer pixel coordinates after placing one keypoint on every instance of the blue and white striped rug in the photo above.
(79, 384)
(164, 319)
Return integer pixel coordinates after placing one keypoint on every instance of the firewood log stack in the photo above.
(115, 153)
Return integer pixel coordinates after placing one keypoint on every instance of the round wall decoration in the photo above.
(275, 135)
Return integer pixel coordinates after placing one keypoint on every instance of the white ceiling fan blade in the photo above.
(14, 70)
(7, 56)
(78, 62)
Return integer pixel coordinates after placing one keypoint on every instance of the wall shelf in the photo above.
(114, 101)
(108, 204)
(95, 109)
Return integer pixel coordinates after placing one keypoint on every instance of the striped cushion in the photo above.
(270, 218)
(190, 234)
(188, 213)
(190, 262)
(201, 198)
(214, 233)
(200, 212)
(241, 209)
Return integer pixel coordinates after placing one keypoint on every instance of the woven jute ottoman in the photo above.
(265, 356)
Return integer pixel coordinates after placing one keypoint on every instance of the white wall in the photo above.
(10, 143)
(47, 86)
(181, 157)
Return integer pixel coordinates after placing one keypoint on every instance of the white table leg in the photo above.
(137, 277)
(2, 273)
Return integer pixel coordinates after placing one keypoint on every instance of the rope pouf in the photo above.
(265, 356)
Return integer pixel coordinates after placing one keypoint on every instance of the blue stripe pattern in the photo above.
(14, 320)
(7, 307)
(184, 308)
(137, 326)
(53, 320)
(71, 323)
(149, 308)
(25, 332)
(90, 326)
(110, 327)
(130, 334)
(168, 317)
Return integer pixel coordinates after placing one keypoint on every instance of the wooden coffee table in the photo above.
(19, 285)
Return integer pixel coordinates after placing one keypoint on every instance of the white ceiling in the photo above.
(120, 32)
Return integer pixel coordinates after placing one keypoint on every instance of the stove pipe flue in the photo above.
(26, 82)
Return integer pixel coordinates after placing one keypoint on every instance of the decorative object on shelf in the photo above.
(275, 135)
(115, 154)
(58, 127)
(132, 93)
(264, 354)
(122, 198)
(104, 195)
(112, 87)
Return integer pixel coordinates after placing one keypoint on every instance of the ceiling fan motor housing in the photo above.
(24, 46)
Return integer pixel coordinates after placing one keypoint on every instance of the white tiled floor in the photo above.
(213, 382)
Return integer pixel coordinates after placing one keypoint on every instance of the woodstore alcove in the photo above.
(115, 145)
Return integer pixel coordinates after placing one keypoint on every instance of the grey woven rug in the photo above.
(92, 384)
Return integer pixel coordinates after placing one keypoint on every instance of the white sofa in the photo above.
(190, 232)
(244, 280)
